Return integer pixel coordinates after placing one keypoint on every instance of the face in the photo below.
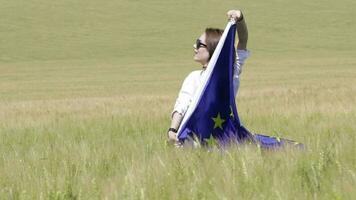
(201, 52)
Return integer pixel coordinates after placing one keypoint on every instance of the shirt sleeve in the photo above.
(241, 56)
(186, 93)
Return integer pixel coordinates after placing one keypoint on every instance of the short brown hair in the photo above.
(212, 38)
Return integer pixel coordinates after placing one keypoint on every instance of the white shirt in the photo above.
(192, 81)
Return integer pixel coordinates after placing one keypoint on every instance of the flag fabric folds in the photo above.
(213, 112)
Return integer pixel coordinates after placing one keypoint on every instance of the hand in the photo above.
(172, 137)
(234, 15)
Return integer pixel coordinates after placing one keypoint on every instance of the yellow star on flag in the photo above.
(218, 121)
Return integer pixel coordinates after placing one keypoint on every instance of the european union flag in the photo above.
(213, 111)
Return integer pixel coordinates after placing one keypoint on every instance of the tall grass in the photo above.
(87, 87)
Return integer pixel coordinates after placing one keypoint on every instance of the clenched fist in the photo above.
(235, 15)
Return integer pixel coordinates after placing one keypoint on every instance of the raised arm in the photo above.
(241, 28)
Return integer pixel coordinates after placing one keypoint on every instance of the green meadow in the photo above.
(87, 88)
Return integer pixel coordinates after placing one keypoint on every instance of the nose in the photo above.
(195, 48)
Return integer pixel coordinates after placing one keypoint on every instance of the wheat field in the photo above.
(87, 87)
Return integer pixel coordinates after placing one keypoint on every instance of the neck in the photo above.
(204, 66)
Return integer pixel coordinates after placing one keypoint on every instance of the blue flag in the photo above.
(213, 111)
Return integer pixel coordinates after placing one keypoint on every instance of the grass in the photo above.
(87, 89)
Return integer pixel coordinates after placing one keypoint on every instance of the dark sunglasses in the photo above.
(199, 44)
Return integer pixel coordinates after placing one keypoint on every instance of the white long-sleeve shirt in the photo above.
(192, 81)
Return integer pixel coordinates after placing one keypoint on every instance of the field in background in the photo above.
(87, 87)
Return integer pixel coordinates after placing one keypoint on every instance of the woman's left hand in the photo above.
(172, 137)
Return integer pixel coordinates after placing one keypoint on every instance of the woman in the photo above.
(204, 49)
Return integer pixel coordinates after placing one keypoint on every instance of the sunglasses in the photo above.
(199, 44)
